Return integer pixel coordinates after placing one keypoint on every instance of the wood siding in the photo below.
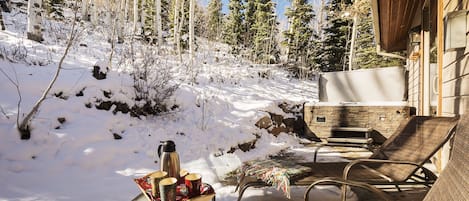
(414, 83)
(455, 89)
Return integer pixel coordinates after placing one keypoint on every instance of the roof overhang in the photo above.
(392, 20)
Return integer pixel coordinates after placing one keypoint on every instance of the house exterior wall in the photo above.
(413, 72)
(455, 89)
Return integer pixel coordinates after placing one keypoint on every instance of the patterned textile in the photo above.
(273, 172)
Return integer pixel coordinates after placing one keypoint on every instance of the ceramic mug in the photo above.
(193, 183)
(155, 179)
(168, 189)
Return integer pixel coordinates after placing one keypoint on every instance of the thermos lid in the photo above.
(168, 146)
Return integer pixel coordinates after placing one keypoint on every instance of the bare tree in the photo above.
(121, 21)
(158, 24)
(142, 15)
(135, 17)
(94, 12)
(191, 30)
(116, 26)
(17, 86)
(85, 5)
(24, 126)
(178, 23)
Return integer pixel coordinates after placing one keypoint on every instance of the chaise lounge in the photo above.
(397, 162)
(452, 184)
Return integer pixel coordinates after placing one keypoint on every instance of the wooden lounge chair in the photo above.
(396, 162)
(452, 184)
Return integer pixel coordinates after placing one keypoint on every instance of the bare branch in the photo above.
(3, 112)
(15, 83)
(23, 128)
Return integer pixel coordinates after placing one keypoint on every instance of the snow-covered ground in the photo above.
(79, 159)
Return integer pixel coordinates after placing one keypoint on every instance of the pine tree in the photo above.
(366, 56)
(299, 36)
(165, 15)
(215, 18)
(333, 48)
(248, 23)
(201, 21)
(149, 31)
(233, 28)
(265, 45)
(55, 8)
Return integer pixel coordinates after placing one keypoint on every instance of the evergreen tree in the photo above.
(201, 21)
(55, 8)
(265, 45)
(300, 34)
(148, 23)
(215, 18)
(233, 28)
(165, 15)
(333, 48)
(249, 19)
(366, 56)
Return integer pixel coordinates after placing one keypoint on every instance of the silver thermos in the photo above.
(169, 158)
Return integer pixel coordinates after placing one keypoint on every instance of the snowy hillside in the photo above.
(73, 153)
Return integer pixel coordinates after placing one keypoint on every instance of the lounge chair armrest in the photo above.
(377, 161)
(335, 180)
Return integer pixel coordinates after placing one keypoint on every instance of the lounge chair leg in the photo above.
(247, 185)
(241, 192)
(398, 188)
(316, 152)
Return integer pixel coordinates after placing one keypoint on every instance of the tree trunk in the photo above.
(135, 17)
(176, 26)
(94, 13)
(24, 127)
(35, 13)
(159, 26)
(179, 31)
(85, 10)
(121, 21)
(2, 25)
(321, 20)
(191, 30)
(142, 16)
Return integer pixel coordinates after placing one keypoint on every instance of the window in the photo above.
(455, 30)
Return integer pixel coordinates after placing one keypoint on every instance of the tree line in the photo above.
(318, 37)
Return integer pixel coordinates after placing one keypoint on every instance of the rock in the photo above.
(289, 122)
(232, 150)
(100, 70)
(246, 146)
(80, 93)
(299, 126)
(107, 94)
(277, 130)
(117, 136)
(284, 107)
(105, 105)
(264, 122)
(122, 107)
(277, 119)
(61, 120)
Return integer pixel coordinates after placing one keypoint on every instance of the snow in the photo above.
(80, 159)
